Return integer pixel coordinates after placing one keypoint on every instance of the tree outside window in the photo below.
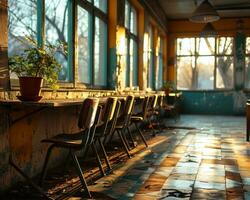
(27, 21)
(131, 65)
(205, 63)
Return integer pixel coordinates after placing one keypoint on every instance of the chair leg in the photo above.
(99, 162)
(131, 137)
(125, 139)
(104, 153)
(44, 170)
(80, 173)
(124, 143)
(151, 126)
(140, 133)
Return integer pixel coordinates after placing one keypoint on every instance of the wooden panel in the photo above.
(3, 22)
(4, 72)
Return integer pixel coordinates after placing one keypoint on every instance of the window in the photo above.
(92, 43)
(54, 26)
(22, 23)
(159, 64)
(56, 32)
(205, 63)
(150, 58)
(131, 45)
(247, 63)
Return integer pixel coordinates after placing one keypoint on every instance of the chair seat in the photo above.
(67, 140)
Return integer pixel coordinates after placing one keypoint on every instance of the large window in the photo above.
(150, 58)
(56, 32)
(22, 24)
(92, 43)
(55, 27)
(159, 64)
(131, 45)
(247, 63)
(205, 63)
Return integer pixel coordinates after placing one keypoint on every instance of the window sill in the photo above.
(224, 90)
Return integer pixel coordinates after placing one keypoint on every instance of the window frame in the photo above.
(215, 55)
(95, 13)
(159, 61)
(129, 35)
(72, 82)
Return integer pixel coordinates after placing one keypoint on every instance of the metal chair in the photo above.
(87, 121)
(151, 112)
(157, 113)
(123, 122)
(105, 128)
(140, 117)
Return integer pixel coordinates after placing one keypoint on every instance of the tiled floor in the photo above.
(209, 162)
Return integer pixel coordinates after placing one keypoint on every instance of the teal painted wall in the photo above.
(112, 68)
(213, 102)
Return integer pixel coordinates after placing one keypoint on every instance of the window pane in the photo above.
(127, 8)
(101, 4)
(247, 73)
(21, 24)
(131, 59)
(84, 68)
(248, 45)
(135, 64)
(205, 46)
(185, 46)
(100, 55)
(133, 21)
(159, 63)
(56, 24)
(225, 45)
(150, 58)
(224, 72)
(205, 72)
(185, 70)
(127, 61)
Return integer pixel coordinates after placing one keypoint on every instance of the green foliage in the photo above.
(37, 62)
(170, 84)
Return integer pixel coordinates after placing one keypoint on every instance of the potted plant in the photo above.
(168, 86)
(32, 66)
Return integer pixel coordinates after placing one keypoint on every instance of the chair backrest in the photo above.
(88, 113)
(129, 105)
(115, 116)
(128, 110)
(155, 101)
(93, 128)
(109, 109)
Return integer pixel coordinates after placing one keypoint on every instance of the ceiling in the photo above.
(182, 9)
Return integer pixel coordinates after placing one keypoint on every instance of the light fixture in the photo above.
(208, 31)
(204, 13)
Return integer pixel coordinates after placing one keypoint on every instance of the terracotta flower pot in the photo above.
(30, 88)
